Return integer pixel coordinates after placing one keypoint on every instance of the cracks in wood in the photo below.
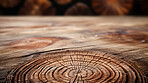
(75, 66)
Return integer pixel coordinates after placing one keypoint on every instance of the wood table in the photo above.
(23, 38)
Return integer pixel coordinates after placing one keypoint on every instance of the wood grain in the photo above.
(76, 66)
(24, 39)
(33, 43)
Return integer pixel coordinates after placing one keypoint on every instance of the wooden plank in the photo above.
(124, 37)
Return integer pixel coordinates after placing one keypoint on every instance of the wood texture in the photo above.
(76, 66)
(24, 39)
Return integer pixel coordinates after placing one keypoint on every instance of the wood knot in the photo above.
(34, 42)
(73, 66)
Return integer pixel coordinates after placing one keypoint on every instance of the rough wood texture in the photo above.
(76, 66)
(24, 39)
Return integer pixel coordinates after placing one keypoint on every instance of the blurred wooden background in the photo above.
(73, 7)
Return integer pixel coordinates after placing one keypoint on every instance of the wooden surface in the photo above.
(124, 37)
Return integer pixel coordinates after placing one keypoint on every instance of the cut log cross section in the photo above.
(76, 66)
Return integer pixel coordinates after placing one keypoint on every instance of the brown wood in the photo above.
(47, 39)
(74, 66)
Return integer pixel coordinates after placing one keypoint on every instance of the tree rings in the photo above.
(73, 66)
